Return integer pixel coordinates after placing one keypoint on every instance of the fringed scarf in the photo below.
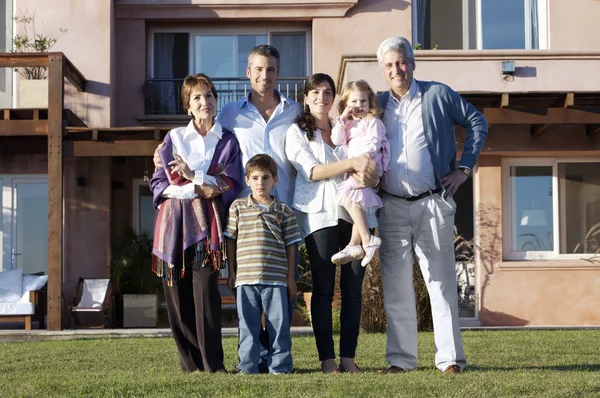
(188, 233)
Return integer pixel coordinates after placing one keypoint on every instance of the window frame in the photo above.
(542, 23)
(225, 30)
(137, 183)
(543, 36)
(558, 209)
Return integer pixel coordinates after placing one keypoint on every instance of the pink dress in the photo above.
(366, 135)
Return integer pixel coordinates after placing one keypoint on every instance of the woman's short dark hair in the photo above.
(306, 121)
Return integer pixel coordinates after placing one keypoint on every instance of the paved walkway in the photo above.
(18, 334)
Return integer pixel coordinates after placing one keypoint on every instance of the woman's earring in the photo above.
(189, 113)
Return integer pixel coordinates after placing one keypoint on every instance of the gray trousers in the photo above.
(425, 227)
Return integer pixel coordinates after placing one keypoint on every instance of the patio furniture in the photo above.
(22, 298)
(92, 303)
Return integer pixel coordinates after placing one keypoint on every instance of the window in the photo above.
(551, 208)
(222, 54)
(480, 24)
(5, 46)
(143, 210)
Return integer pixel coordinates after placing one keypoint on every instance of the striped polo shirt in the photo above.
(262, 236)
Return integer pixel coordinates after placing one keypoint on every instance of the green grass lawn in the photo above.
(501, 364)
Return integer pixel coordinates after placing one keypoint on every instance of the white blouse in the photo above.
(197, 152)
(317, 199)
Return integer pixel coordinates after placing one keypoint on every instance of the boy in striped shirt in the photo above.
(261, 248)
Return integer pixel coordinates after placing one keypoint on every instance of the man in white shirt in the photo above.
(417, 219)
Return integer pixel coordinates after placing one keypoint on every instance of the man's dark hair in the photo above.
(265, 50)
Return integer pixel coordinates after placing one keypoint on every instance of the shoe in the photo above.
(453, 370)
(392, 370)
(370, 250)
(221, 371)
(348, 254)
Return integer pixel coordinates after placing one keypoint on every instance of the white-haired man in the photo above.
(418, 214)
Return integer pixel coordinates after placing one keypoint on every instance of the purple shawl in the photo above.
(184, 223)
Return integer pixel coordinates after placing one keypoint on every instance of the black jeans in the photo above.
(194, 309)
(321, 245)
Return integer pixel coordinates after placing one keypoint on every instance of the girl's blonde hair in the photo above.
(359, 85)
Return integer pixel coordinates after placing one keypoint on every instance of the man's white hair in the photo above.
(395, 44)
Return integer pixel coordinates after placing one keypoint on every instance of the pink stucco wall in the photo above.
(573, 24)
(87, 43)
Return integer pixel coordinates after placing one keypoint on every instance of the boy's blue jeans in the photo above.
(251, 301)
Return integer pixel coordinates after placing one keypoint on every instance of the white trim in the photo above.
(558, 209)
(415, 22)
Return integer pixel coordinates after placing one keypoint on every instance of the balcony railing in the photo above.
(163, 96)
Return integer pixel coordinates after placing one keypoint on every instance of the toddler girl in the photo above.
(359, 128)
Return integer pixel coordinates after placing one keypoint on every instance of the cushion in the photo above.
(32, 282)
(93, 293)
(16, 309)
(10, 286)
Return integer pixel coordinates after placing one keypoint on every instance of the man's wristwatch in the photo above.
(467, 171)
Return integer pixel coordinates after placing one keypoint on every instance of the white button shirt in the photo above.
(197, 152)
(411, 170)
(256, 136)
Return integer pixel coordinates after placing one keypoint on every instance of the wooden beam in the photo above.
(74, 75)
(28, 145)
(592, 129)
(504, 100)
(23, 60)
(569, 100)
(114, 148)
(23, 127)
(537, 129)
(56, 73)
(542, 116)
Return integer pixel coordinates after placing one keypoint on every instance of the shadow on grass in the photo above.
(559, 368)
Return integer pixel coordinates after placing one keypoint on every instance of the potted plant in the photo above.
(134, 281)
(33, 86)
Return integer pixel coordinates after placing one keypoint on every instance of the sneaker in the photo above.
(348, 254)
(370, 250)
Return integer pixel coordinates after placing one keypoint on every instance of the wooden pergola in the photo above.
(59, 132)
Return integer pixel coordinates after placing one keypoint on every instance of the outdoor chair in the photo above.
(92, 303)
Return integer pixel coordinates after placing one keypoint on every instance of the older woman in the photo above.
(192, 195)
(327, 226)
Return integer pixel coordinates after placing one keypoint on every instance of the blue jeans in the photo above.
(251, 301)
(264, 335)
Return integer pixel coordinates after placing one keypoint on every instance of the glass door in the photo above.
(25, 223)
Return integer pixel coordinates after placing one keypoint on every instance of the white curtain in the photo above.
(535, 34)
(163, 69)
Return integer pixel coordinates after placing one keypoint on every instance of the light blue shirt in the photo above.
(256, 136)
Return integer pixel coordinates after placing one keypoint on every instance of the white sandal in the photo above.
(370, 250)
(348, 254)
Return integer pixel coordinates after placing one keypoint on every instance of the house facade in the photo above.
(532, 206)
